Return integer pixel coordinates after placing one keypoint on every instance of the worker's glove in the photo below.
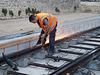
(38, 45)
(43, 36)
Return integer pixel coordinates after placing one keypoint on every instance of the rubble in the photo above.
(64, 45)
(95, 65)
(82, 71)
(23, 62)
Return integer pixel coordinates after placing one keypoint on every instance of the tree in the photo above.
(34, 10)
(11, 13)
(29, 10)
(19, 12)
(57, 10)
(4, 11)
(75, 8)
(26, 11)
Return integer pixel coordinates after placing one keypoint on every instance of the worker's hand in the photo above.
(43, 36)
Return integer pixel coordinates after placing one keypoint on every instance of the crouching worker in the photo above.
(48, 23)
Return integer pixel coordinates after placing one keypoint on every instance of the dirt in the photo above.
(13, 26)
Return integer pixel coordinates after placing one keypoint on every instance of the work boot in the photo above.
(50, 53)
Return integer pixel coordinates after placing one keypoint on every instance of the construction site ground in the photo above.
(13, 26)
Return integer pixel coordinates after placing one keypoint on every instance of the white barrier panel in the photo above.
(72, 28)
(62, 31)
(1, 50)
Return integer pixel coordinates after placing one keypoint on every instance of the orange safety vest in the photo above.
(51, 20)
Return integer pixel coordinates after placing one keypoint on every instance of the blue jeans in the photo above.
(51, 39)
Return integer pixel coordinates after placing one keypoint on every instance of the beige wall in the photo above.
(42, 5)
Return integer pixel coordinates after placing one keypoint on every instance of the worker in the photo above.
(48, 23)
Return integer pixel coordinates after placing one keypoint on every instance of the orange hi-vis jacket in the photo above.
(51, 20)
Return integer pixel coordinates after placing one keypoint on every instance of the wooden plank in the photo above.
(17, 42)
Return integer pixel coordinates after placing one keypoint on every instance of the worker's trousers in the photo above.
(51, 39)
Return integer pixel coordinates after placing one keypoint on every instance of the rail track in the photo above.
(71, 52)
(80, 44)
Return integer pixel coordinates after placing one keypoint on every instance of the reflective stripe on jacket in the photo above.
(51, 20)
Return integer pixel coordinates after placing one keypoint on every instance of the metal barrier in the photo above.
(13, 45)
(72, 28)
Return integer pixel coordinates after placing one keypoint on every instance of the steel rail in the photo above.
(20, 53)
(36, 48)
(63, 70)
